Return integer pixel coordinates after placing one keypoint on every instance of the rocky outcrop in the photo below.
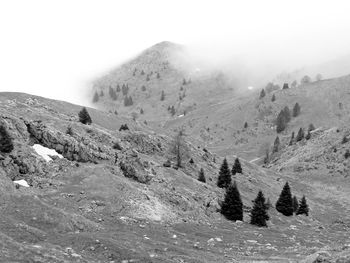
(75, 149)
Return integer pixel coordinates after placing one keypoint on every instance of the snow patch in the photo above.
(46, 152)
(21, 182)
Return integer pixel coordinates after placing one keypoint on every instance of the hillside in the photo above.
(165, 67)
(88, 208)
(221, 126)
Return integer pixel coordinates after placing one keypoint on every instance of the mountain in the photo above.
(166, 68)
(91, 207)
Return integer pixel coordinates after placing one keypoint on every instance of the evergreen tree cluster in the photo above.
(224, 179)
(232, 205)
(301, 134)
(288, 205)
(172, 110)
(124, 127)
(284, 117)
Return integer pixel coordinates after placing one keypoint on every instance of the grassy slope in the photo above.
(96, 202)
(319, 103)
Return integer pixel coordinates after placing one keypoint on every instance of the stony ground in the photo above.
(84, 208)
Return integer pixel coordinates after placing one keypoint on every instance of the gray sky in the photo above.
(55, 48)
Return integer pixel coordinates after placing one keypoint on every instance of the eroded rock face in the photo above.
(134, 169)
(83, 150)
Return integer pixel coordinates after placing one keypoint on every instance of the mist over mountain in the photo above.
(184, 131)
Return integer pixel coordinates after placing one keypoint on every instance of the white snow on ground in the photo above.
(46, 152)
(180, 115)
(21, 182)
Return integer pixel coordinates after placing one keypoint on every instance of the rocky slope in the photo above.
(88, 207)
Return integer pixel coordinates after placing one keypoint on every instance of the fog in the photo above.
(56, 48)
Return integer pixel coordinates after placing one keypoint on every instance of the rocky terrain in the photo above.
(91, 207)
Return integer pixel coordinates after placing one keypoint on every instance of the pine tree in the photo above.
(245, 125)
(287, 114)
(232, 207)
(284, 204)
(123, 127)
(259, 214)
(162, 96)
(172, 110)
(6, 143)
(201, 176)
(276, 145)
(96, 97)
(291, 139)
(295, 204)
(236, 168)
(101, 93)
(158, 75)
(267, 156)
(184, 82)
(285, 86)
(308, 135)
(142, 111)
(303, 207)
(118, 88)
(300, 135)
(262, 94)
(142, 72)
(347, 154)
(273, 98)
(281, 122)
(84, 116)
(296, 110)
(224, 179)
(112, 93)
(125, 89)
